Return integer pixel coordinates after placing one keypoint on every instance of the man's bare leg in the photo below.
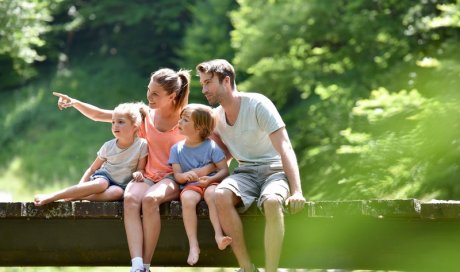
(274, 233)
(232, 226)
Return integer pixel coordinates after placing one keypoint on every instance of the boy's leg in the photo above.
(77, 191)
(221, 240)
(190, 199)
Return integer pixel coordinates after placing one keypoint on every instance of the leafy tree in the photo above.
(327, 61)
(207, 37)
(147, 33)
(23, 24)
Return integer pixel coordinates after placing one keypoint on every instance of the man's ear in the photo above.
(227, 80)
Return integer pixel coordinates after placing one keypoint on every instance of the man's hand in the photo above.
(296, 202)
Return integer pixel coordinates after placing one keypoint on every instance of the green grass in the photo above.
(44, 149)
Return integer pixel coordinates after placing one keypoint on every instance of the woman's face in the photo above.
(158, 97)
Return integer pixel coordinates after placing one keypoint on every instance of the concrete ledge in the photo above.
(401, 208)
(362, 234)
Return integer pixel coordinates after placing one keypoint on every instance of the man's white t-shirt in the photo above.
(248, 138)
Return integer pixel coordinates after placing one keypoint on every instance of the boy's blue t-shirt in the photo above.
(195, 157)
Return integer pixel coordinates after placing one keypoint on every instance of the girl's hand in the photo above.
(64, 101)
(138, 176)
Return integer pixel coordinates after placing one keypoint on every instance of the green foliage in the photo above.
(206, 38)
(98, 51)
(343, 68)
(23, 24)
(146, 32)
(368, 89)
(56, 147)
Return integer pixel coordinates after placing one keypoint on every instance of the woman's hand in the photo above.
(64, 101)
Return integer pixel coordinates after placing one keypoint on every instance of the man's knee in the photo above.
(209, 194)
(272, 207)
(223, 198)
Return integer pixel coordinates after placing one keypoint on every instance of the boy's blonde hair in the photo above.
(203, 117)
(134, 111)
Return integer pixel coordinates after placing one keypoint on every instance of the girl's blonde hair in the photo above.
(203, 117)
(135, 111)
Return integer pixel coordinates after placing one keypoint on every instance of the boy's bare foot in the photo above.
(193, 255)
(223, 242)
(41, 200)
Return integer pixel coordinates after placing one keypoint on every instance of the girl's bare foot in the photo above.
(223, 242)
(41, 200)
(193, 255)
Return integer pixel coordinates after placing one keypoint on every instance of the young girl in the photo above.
(197, 123)
(118, 161)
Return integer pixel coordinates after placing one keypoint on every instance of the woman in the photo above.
(167, 94)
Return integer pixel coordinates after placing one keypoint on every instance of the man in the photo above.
(250, 126)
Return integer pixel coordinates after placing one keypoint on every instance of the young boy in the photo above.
(118, 161)
(197, 150)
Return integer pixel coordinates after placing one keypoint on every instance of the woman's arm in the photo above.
(90, 111)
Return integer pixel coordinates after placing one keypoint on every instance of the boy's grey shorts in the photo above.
(259, 182)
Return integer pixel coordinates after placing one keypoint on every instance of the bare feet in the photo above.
(223, 242)
(193, 255)
(43, 199)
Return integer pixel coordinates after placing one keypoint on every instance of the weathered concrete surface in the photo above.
(361, 234)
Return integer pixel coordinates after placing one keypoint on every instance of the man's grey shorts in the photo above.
(258, 182)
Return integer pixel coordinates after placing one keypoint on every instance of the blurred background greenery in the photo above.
(369, 89)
